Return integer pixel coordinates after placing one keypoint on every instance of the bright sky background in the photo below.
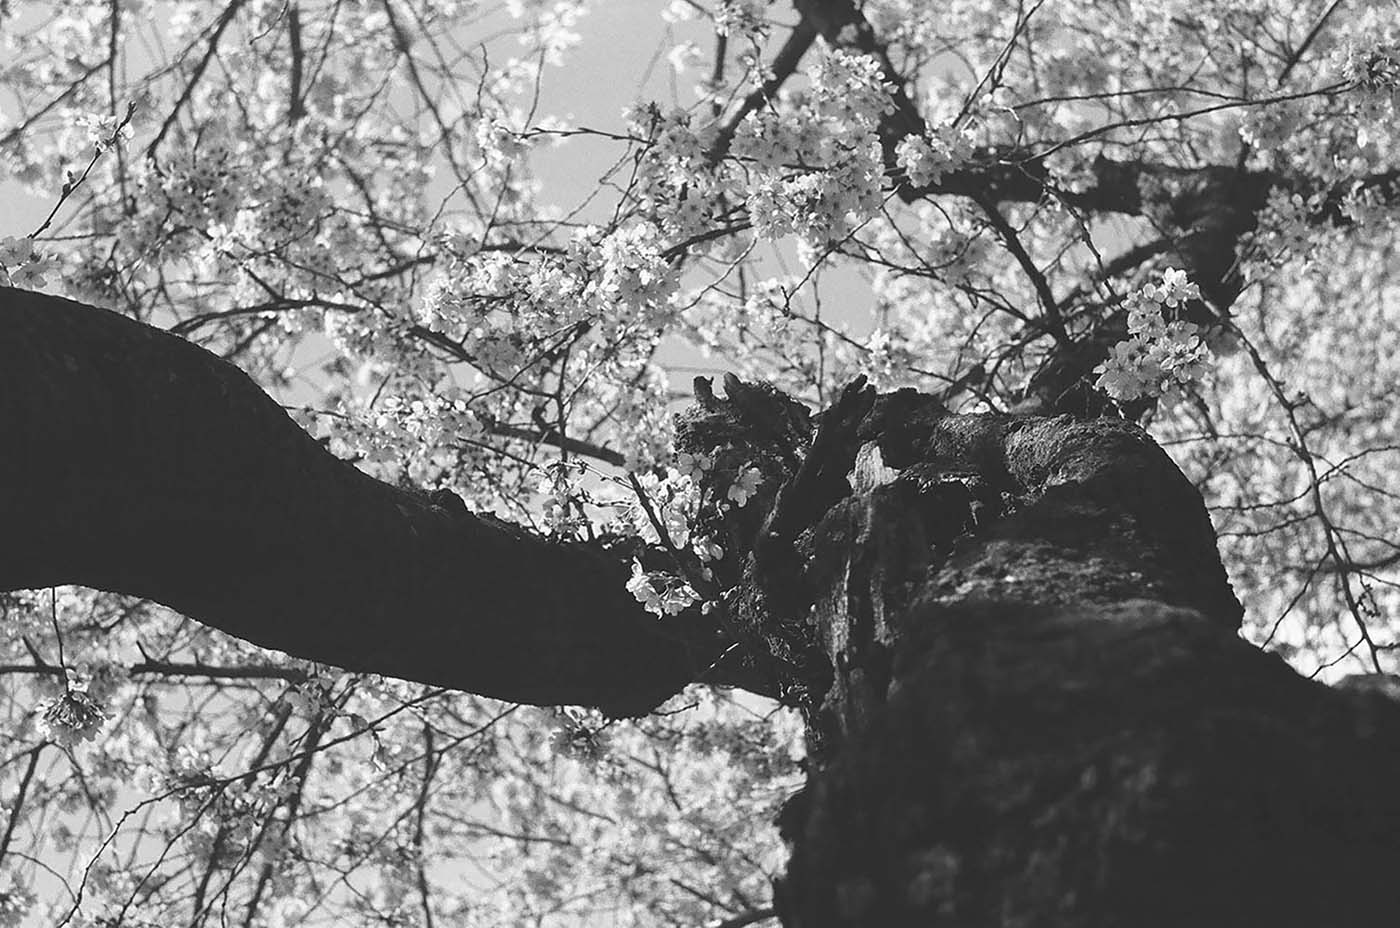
(620, 59)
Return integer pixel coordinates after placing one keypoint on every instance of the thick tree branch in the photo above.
(1053, 320)
(140, 463)
(563, 442)
(295, 107)
(17, 803)
(784, 64)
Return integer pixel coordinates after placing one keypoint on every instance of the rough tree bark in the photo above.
(1012, 637)
(1031, 705)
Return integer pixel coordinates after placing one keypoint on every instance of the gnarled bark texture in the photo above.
(1039, 711)
(1012, 637)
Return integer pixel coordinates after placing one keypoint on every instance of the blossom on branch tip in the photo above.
(660, 593)
(693, 466)
(1159, 357)
(71, 717)
(746, 484)
(15, 250)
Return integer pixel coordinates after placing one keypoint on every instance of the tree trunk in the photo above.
(1041, 712)
(1012, 637)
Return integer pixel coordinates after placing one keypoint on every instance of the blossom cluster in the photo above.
(926, 158)
(14, 905)
(672, 501)
(433, 419)
(226, 813)
(660, 592)
(1286, 229)
(206, 190)
(558, 485)
(105, 130)
(580, 734)
(739, 18)
(497, 304)
(1374, 66)
(1159, 357)
(72, 717)
(675, 181)
(22, 265)
(1367, 58)
(816, 170)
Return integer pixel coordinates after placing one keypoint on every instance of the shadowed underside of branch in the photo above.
(137, 462)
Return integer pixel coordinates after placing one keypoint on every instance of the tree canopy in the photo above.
(471, 319)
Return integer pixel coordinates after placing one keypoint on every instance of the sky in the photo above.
(620, 59)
